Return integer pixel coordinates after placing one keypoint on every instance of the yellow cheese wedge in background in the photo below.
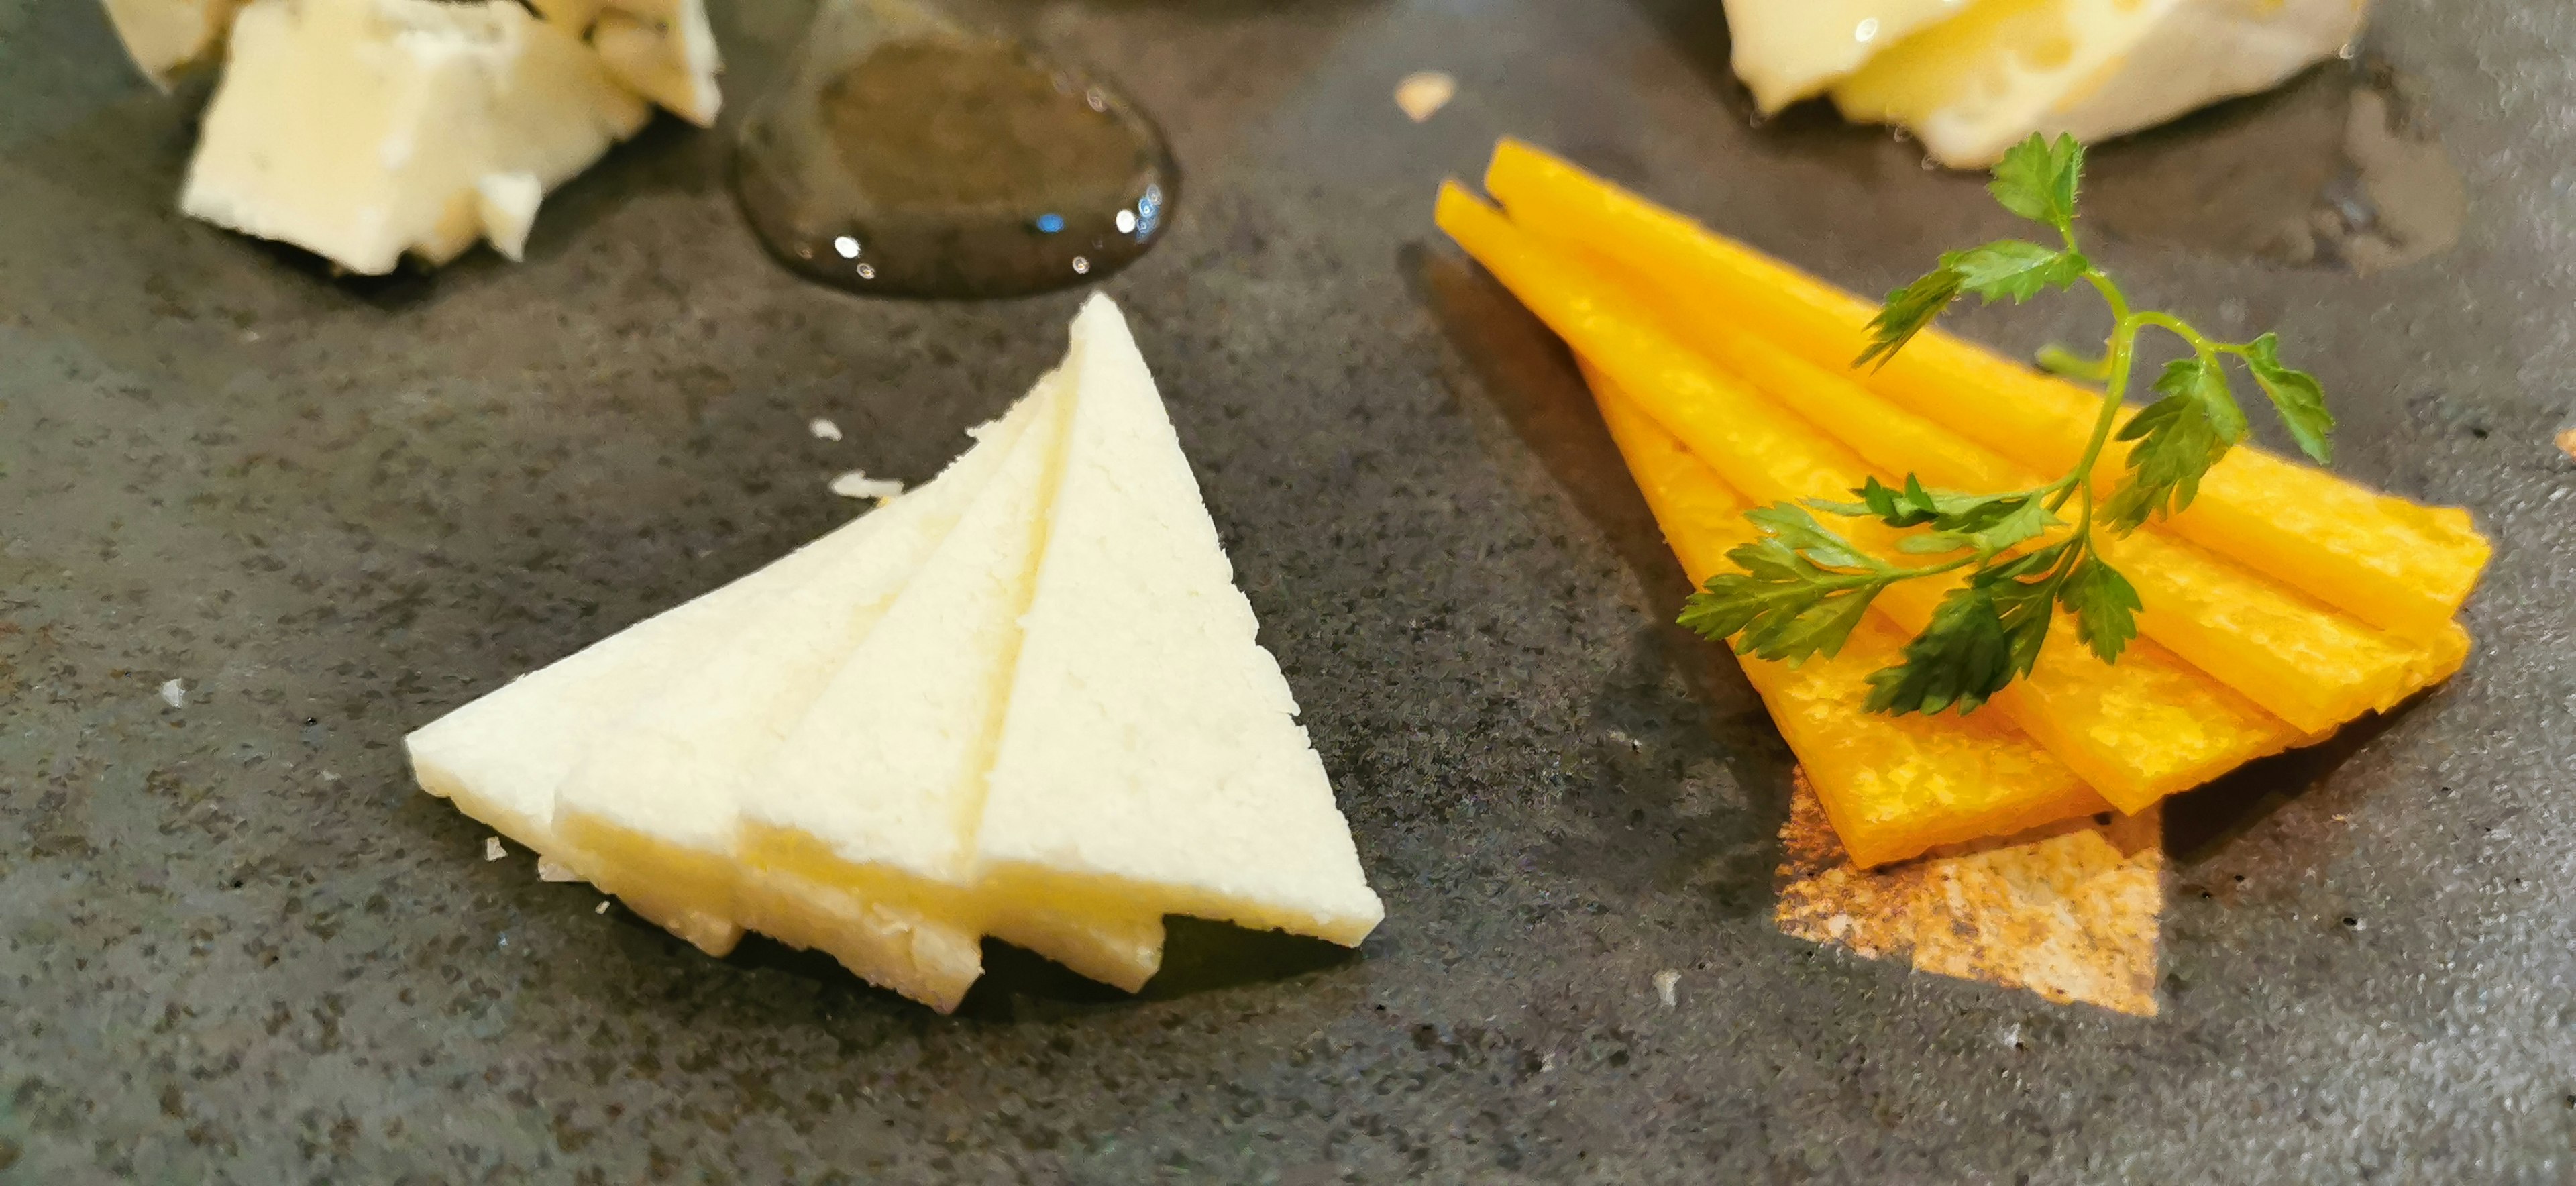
(1787, 50)
(1977, 84)
(166, 36)
(1151, 757)
(878, 791)
(364, 129)
(501, 758)
(653, 809)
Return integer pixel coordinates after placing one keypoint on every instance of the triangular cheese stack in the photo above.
(1023, 701)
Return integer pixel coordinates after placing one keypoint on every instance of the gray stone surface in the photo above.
(236, 945)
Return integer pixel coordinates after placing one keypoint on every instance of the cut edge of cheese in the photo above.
(877, 789)
(164, 37)
(665, 52)
(1150, 754)
(653, 809)
(500, 757)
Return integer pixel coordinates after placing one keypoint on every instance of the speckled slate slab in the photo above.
(237, 945)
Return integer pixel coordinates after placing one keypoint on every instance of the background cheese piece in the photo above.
(362, 129)
(162, 36)
(500, 758)
(663, 50)
(652, 809)
(878, 791)
(1151, 756)
(1976, 85)
(1787, 50)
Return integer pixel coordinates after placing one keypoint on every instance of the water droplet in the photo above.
(846, 247)
(968, 166)
(1867, 32)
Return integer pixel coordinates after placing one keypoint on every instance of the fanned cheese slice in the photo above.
(364, 129)
(652, 810)
(878, 792)
(1151, 758)
(501, 758)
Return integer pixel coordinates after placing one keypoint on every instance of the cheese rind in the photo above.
(1151, 755)
(365, 129)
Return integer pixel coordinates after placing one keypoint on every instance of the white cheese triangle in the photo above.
(652, 809)
(501, 758)
(364, 129)
(879, 790)
(1150, 758)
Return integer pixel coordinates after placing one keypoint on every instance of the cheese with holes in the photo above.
(364, 129)
(1151, 756)
(1977, 84)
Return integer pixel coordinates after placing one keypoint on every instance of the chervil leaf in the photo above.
(2038, 179)
(2104, 604)
(1818, 626)
(2296, 395)
(2176, 444)
(1794, 596)
(1793, 526)
(2015, 269)
(1783, 607)
(1906, 312)
(2058, 360)
(2202, 379)
(1997, 525)
(1960, 660)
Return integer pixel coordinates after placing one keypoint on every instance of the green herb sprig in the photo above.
(1803, 586)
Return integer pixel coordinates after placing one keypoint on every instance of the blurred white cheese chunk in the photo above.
(163, 36)
(1977, 84)
(364, 129)
(1787, 50)
(662, 49)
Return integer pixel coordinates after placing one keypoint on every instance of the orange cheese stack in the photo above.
(2283, 604)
